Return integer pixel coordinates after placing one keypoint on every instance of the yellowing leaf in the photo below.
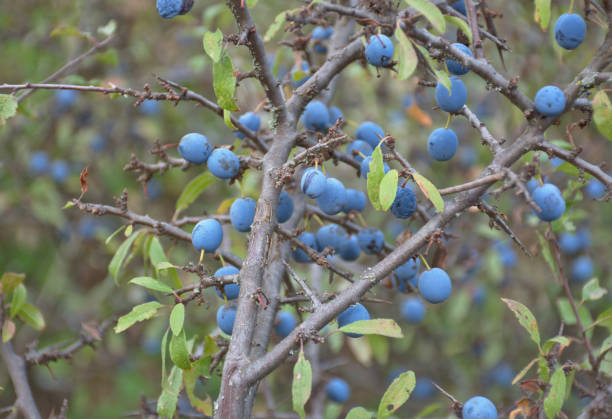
(407, 56)
(213, 44)
(602, 114)
(431, 13)
(396, 395)
(542, 13)
(429, 190)
(525, 318)
(224, 83)
(302, 384)
(461, 24)
(139, 313)
(384, 327)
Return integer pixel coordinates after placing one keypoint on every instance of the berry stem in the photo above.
(316, 217)
(425, 262)
(448, 121)
(362, 220)
(222, 260)
(202, 255)
(571, 7)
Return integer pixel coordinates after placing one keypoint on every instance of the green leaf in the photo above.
(8, 330)
(139, 313)
(396, 395)
(605, 319)
(567, 314)
(302, 384)
(177, 318)
(203, 406)
(461, 24)
(602, 113)
(164, 265)
(554, 400)
(275, 26)
(408, 59)
(10, 281)
(359, 413)
(592, 291)
(18, 300)
(179, 353)
(109, 57)
(522, 373)
(151, 283)
(227, 118)
(113, 234)
(427, 410)
(375, 176)
(8, 107)
(193, 190)
(32, 316)
(429, 190)
(68, 31)
(166, 404)
(251, 3)
(542, 13)
(380, 348)
(431, 13)
(606, 345)
(388, 189)
(384, 327)
(164, 349)
(562, 340)
(525, 318)
(213, 44)
(224, 83)
(108, 29)
(442, 76)
(120, 255)
(546, 253)
(158, 259)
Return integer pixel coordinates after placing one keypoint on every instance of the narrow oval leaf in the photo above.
(32, 316)
(193, 190)
(164, 349)
(602, 114)
(213, 44)
(461, 24)
(151, 283)
(177, 318)
(375, 176)
(396, 395)
(554, 400)
(158, 259)
(115, 264)
(562, 340)
(225, 205)
(113, 234)
(10, 281)
(431, 13)
(525, 318)
(388, 189)
(18, 300)
(546, 253)
(522, 373)
(224, 83)
(8, 107)
(179, 353)
(166, 404)
(8, 330)
(384, 327)
(541, 13)
(429, 190)
(227, 118)
(592, 291)
(442, 76)
(191, 379)
(275, 26)
(359, 413)
(302, 384)
(407, 56)
(139, 313)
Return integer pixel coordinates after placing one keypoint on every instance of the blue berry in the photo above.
(435, 285)
(285, 323)
(207, 235)
(352, 314)
(316, 116)
(569, 243)
(379, 51)
(455, 67)
(551, 202)
(320, 32)
(479, 407)
(459, 6)
(194, 148)
(454, 100)
(502, 375)
(595, 189)
(313, 182)
(556, 162)
(65, 99)
(285, 207)
(223, 163)
(423, 389)
(60, 171)
(171, 8)
(408, 270)
(370, 132)
(506, 253)
(582, 269)
(331, 235)
(550, 101)
(570, 30)
(298, 78)
(309, 240)
(355, 200)
(371, 240)
(338, 390)
(350, 250)
(154, 189)
(39, 162)
(250, 120)
(413, 310)
(334, 114)
(404, 204)
(231, 290)
(442, 144)
(98, 143)
(408, 101)
(585, 238)
(242, 213)
(359, 146)
(149, 107)
(333, 198)
(226, 315)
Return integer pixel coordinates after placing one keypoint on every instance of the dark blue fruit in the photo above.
(207, 235)
(370, 132)
(454, 100)
(379, 51)
(331, 235)
(285, 323)
(435, 285)
(309, 240)
(298, 78)
(350, 250)
(316, 116)
(231, 290)
(552, 205)
(355, 200)
(550, 101)
(60, 171)
(479, 407)
(455, 67)
(226, 315)
(570, 30)
(595, 189)
(250, 120)
(171, 8)
(194, 148)
(459, 6)
(371, 240)
(359, 147)
(39, 162)
(223, 163)
(582, 269)
(338, 390)
(352, 314)
(404, 204)
(242, 213)
(413, 310)
(285, 207)
(334, 114)
(333, 198)
(313, 182)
